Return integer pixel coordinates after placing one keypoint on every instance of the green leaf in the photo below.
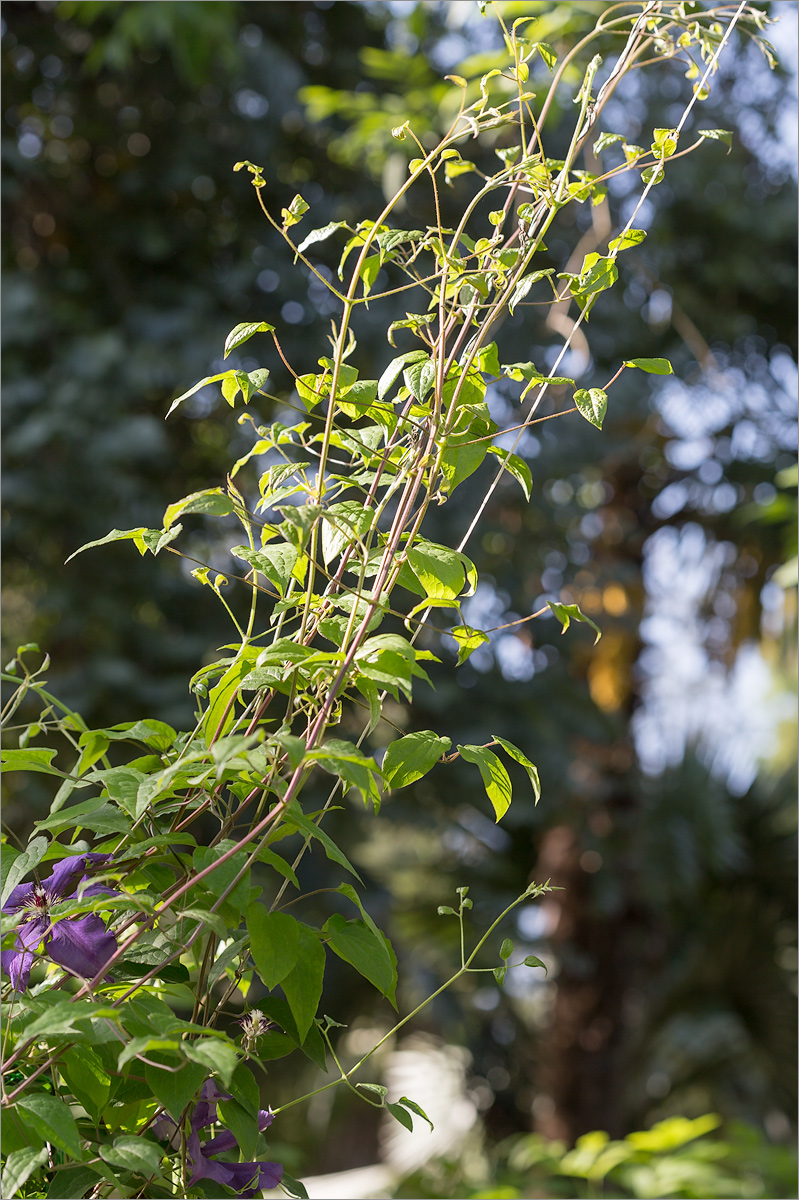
(217, 1056)
(295, 211)
(30, 760)
(355, 942)
(212, 920)
(571, 612)
(244, 1090)
(400, 1114)
(506, 949)
(30, 857)
(592, 404)
(65, 1016)
(598, 273)
(275, 943)
(53, 1121)
(175, 1089)
(243, 1126)
(92, 814)
(342, 758)
(415, 1108)
(547, 54)
(203, 383)
(632, 237)
(244, 332)
(606, 139)
(441, 571)
(653, 175)
(516, 754)
(277, 562)
(665, 142)
(295, 817)
(392, 371)
(717, 135)
(75, 1182)
(211, 501)
(137, 1154)
(19, 1167)
(499, 974)
(419, 378)
(86, 1075)
(303, 986)
(220, 879)
(532, 961)
(221, 703)
(293, 1187)
(495, 778)
(320, 235)
(468, 639)
(412, 756)
(524, 285)
(265, 855)
(653, 366)
(515, 466)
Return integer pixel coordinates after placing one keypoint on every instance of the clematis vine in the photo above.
(246, 1179)
(80, 944)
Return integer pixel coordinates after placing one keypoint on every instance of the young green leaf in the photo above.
(515, 466)
(243, 332)
(412, 756)
(606, 139)
(276, 561)
(400, 1114)
(653, 366)
(468, 639)
(515, 753)
(717, 135)
(415, 1108)
(506, 949)
(566, 613)
(532, 961)
(295, 211)
(632, 237)
(592, 404)
(212, 501)
(495, 778)
(524, 285)
(29, 760)
(392, 371)
(320, 235)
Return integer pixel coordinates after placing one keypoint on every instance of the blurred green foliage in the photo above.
(675, 1158)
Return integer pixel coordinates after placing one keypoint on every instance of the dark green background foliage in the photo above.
(131, 249)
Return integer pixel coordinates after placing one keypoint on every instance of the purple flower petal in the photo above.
(220, 1144)
(205, 1109)
(66, 873)
(17, 963)
(18, 897)
(82, 945)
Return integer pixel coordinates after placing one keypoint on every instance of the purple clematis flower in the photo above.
(81, 944)
(245, 1179)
